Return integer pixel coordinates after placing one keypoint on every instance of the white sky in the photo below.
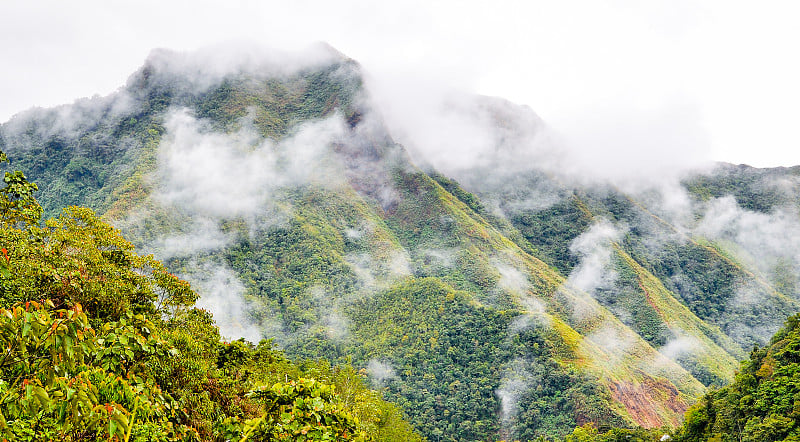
(730, 66)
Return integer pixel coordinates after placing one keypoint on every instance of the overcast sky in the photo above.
(731, 67)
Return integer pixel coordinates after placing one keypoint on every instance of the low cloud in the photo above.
(221, 293)
(767, 242)
(380, 372)
(516, 381)
(615, 343)
(680, 347)
(379, 272)
(439, 257)
(511, 279)
(218, 175)
(207, 178)
(628, 145)
(594, 248)
(335, 324)
(201, 69)
(202, 235)
(621, 143)
(69, 122)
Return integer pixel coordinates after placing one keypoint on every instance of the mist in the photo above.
(764, 241)
(768, 245)
(516, 381)
(594, 248)
(221, 292)
(380, 372)
(220, 175)
(206, 178)
(379, 272)
(203, 68)
(69, 121)
(518, 163)
(616, 142)
(215, 188)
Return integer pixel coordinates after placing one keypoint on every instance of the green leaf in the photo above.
(41, 396)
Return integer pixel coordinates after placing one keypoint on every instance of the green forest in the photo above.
(101, 343)
(104, 344)
(380, 299)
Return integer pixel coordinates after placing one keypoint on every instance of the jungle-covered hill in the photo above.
(507, 299)
(100, 343)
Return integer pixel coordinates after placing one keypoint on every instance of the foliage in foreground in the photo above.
(99, 343)
(762, 404)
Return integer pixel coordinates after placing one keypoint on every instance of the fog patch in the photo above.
(529, 199)
(440, 257)
(668, 200)
(614, 343)
(379, 272)
(630, 146)
(398, 264)
(594, 247)
(680, 347)
(364, 268)
(335, 324)
(761, 333)
(768, 242)
(201, 69)
(747, 294)
(534, 315)
(583, 308)
(624, 143)
(353, 234)
(202, 235)
(511, 279)
(787, 186)
(516, 381)
(380, 372)
(208, 179)
(68, 122)
(762, 319)
(221, 293)
(356, 233)
(218, 175)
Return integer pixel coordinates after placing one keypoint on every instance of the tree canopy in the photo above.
(100, 343)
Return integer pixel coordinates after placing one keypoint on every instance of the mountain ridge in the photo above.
(340, 217)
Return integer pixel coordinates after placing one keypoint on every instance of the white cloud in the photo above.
(727, 60)
(221, 293)
(594, 248)
(380, 372)
(515, 382)
(220, 175)
(208, 177)
(762, 240)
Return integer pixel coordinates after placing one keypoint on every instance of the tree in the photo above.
(65, 380)
(17, 203)
(100, 343)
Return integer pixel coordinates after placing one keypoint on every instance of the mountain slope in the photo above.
(273, 186)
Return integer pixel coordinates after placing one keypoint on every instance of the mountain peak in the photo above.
(211, 64)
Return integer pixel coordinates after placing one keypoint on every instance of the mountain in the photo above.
(509, 297)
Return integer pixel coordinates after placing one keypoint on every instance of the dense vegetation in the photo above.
(103, 344)
(469, 307)
(762, 404)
